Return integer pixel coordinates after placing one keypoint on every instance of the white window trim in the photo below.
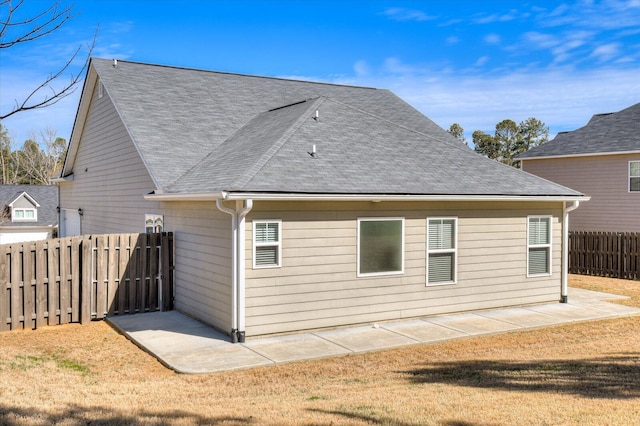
(549, 245)
(454, 251)
(267, 244)
(629, 177)
(154, 218)
(100, 90)
(24, 219)
(379, 274)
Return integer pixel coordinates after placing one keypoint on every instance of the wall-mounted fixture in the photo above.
(80, 212)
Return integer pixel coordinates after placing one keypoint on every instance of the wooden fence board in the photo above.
(28, 283)
(606, 254)
(142, 272)
(82, 278)
(132, 275)
(86, 281)
(41, 282)
(5, 281)
(16, 287)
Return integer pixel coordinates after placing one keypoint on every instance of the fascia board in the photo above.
(231, 196)
(594, 154)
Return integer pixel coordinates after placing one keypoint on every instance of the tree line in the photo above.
(508, 140)
(36, 162)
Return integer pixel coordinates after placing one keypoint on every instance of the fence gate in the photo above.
(77, 279)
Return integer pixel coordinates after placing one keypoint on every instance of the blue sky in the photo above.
(471, 62)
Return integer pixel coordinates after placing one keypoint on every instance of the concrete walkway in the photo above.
(188, 346)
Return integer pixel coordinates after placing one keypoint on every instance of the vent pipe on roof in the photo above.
(316, 116)
(313, 151)
(115, 63)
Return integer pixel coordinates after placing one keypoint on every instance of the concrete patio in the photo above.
(189, 346)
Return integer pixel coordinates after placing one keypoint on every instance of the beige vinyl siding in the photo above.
(605, 179)
(317, 285)
(110, 181)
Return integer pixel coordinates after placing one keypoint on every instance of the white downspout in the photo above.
(237, 266)
(564, 292)
(234, 261)
(241, 265)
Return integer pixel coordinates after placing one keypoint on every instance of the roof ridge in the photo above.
(300, 80)
(286, 135)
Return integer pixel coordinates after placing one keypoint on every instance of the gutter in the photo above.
(237, 266)
(238, 196)
(564, 289)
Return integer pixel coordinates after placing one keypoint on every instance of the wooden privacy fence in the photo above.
(77, 279)
(606, 254)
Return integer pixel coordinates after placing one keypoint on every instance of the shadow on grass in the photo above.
(104, 416)
(612, 377)
(372, 419)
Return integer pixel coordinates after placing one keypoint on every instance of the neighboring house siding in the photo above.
(109, 184)
(605, 178)
(317, 285)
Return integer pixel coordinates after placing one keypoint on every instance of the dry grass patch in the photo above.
(583, 374)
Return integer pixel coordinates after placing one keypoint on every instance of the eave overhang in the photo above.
(280, 196)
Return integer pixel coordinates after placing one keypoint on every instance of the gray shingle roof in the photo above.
(202, 131)
(604, 133)
(45, 195)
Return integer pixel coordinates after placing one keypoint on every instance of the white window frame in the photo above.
(278, 243)
(630, 176)
(380, 219)
(23, 218)
(454, 250)
(548, 246)
(154, 219)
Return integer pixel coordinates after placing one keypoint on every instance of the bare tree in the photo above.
(40, 158)
(15, 30)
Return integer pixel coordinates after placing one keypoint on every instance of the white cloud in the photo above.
(481, 61)
(401, 14)
(562, 97)
(492, 39)
(605, 52)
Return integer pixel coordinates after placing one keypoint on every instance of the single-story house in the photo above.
(299, 205)
(601, 160)
(29, 213)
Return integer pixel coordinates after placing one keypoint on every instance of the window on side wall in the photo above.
(267, 243)
(153, 223)
(442, 243)
(380, 246)
(634, 176)
(538, 245)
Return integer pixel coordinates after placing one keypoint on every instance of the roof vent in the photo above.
(316, 116)
(115, 63)
(313, 151)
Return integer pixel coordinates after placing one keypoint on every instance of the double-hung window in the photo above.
(634, 176)
(267, 243)
(538, 245)
(442, 236)
(380, 246)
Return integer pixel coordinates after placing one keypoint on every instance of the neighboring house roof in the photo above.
(45, 197)
(204, 132)
(611, 133)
